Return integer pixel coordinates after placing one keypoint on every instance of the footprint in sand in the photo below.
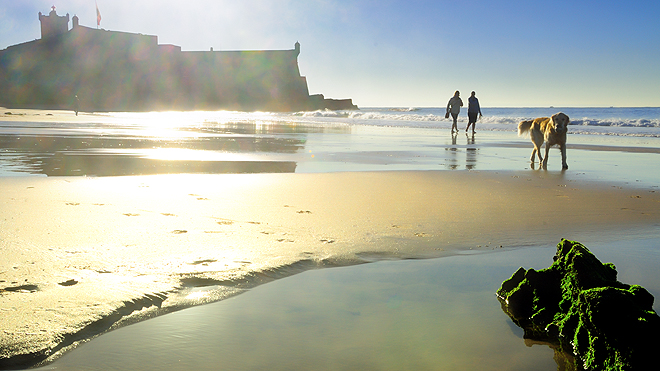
(22, 288)
(200, 198)
(203, 262)
(70, 282)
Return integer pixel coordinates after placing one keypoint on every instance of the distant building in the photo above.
(52, 24)
(120, 71)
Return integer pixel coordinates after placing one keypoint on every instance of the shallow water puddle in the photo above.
(438, 314)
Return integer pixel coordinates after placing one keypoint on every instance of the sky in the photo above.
(409, 53)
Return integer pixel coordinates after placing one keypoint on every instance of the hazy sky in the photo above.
(409, 53)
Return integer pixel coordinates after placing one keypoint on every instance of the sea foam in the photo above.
(642, 122)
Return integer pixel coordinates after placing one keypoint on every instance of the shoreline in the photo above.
(117, 244)
(164, 143)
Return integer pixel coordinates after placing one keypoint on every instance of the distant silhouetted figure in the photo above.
(76, 104)
(454, 107)
(473, 111)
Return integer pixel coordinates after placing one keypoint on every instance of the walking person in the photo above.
(454, 107)
(473, 111)
(76, 104)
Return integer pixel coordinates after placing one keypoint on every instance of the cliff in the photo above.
(120, 71)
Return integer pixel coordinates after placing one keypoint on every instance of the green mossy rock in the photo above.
(579, 308)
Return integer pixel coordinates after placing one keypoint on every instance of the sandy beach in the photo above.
(83, 255)
(77, 251)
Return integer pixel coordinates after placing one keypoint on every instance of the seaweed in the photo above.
(578, 307)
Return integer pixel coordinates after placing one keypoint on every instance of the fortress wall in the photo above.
(106, 69)
(110, 68)
(119, 71)
(246, 79)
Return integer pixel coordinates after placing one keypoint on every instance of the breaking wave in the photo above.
(602, 121)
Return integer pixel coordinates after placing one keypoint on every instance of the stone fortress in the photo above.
(100, 70)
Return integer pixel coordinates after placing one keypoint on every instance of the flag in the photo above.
(98, 16)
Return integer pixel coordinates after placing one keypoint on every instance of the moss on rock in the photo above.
(579, 308)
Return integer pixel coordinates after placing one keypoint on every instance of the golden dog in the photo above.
(551, 130)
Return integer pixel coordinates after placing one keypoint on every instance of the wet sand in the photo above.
(82, 255)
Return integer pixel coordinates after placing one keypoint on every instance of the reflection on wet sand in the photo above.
(101, 150)
(470, 153)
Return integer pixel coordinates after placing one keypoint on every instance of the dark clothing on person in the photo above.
(472, 117)
(473, 105)
(474, 111)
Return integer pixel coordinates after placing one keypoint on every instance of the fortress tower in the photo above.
(52, 24)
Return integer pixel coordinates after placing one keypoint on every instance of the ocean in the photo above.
(639, 122)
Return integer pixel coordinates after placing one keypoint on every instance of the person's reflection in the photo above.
(453, 141)
(470, 138)
(453, 161)
(470, 152)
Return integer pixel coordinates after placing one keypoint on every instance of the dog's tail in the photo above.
(524, 126)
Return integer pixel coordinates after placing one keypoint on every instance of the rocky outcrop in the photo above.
(319, 102)
(580, 309)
